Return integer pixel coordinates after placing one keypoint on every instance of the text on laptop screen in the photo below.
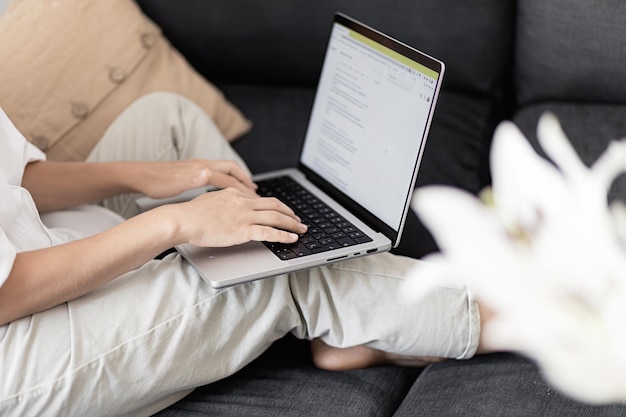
(371, 104)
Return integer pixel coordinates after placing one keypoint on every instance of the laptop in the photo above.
(358, 164)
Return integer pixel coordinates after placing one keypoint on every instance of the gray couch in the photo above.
(505, 60)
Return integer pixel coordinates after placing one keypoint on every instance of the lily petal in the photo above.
(559, 288)
(524, 184)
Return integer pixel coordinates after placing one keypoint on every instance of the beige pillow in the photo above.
(70, 67)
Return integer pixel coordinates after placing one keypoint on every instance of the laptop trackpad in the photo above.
(222, 264)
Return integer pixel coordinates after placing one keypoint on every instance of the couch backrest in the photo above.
(571, 50)
(282, 41)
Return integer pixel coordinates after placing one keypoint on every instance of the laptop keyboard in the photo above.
(327, 229)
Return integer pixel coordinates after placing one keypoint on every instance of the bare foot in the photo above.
(485, 315)
(358, 357)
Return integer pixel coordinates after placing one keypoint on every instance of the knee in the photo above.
(177, 111)
(165, 102)
(177, 119)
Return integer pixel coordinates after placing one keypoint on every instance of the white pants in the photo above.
(148, 338)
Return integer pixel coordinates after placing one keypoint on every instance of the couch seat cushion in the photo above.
(284, 383)
(492, 385)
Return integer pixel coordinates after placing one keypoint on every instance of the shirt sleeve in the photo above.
(15, 151)
(7, 257)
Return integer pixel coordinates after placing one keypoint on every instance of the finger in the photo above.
(238, 172)
(221, 180)
(273, 204)
(234, 170)
(279, 221)
(269, 234)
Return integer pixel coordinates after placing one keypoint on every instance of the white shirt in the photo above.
(21, 228)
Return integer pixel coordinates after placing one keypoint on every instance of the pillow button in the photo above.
(117, 75)
(41, 142)
(79, 110)
(148, 39)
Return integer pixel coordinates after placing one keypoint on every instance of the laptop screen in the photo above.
(370, 119)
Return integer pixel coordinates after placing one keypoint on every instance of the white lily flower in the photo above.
(548, 256)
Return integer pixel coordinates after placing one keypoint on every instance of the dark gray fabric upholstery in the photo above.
(284, 383)
(497, 385)
(571, 50)
(283, 42)
(279, 116)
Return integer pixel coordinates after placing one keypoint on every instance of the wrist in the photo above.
(132, 176)
(170, 221)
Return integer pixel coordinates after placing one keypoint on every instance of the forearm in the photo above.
(44, 278)
(58, 185)
(48, 277)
